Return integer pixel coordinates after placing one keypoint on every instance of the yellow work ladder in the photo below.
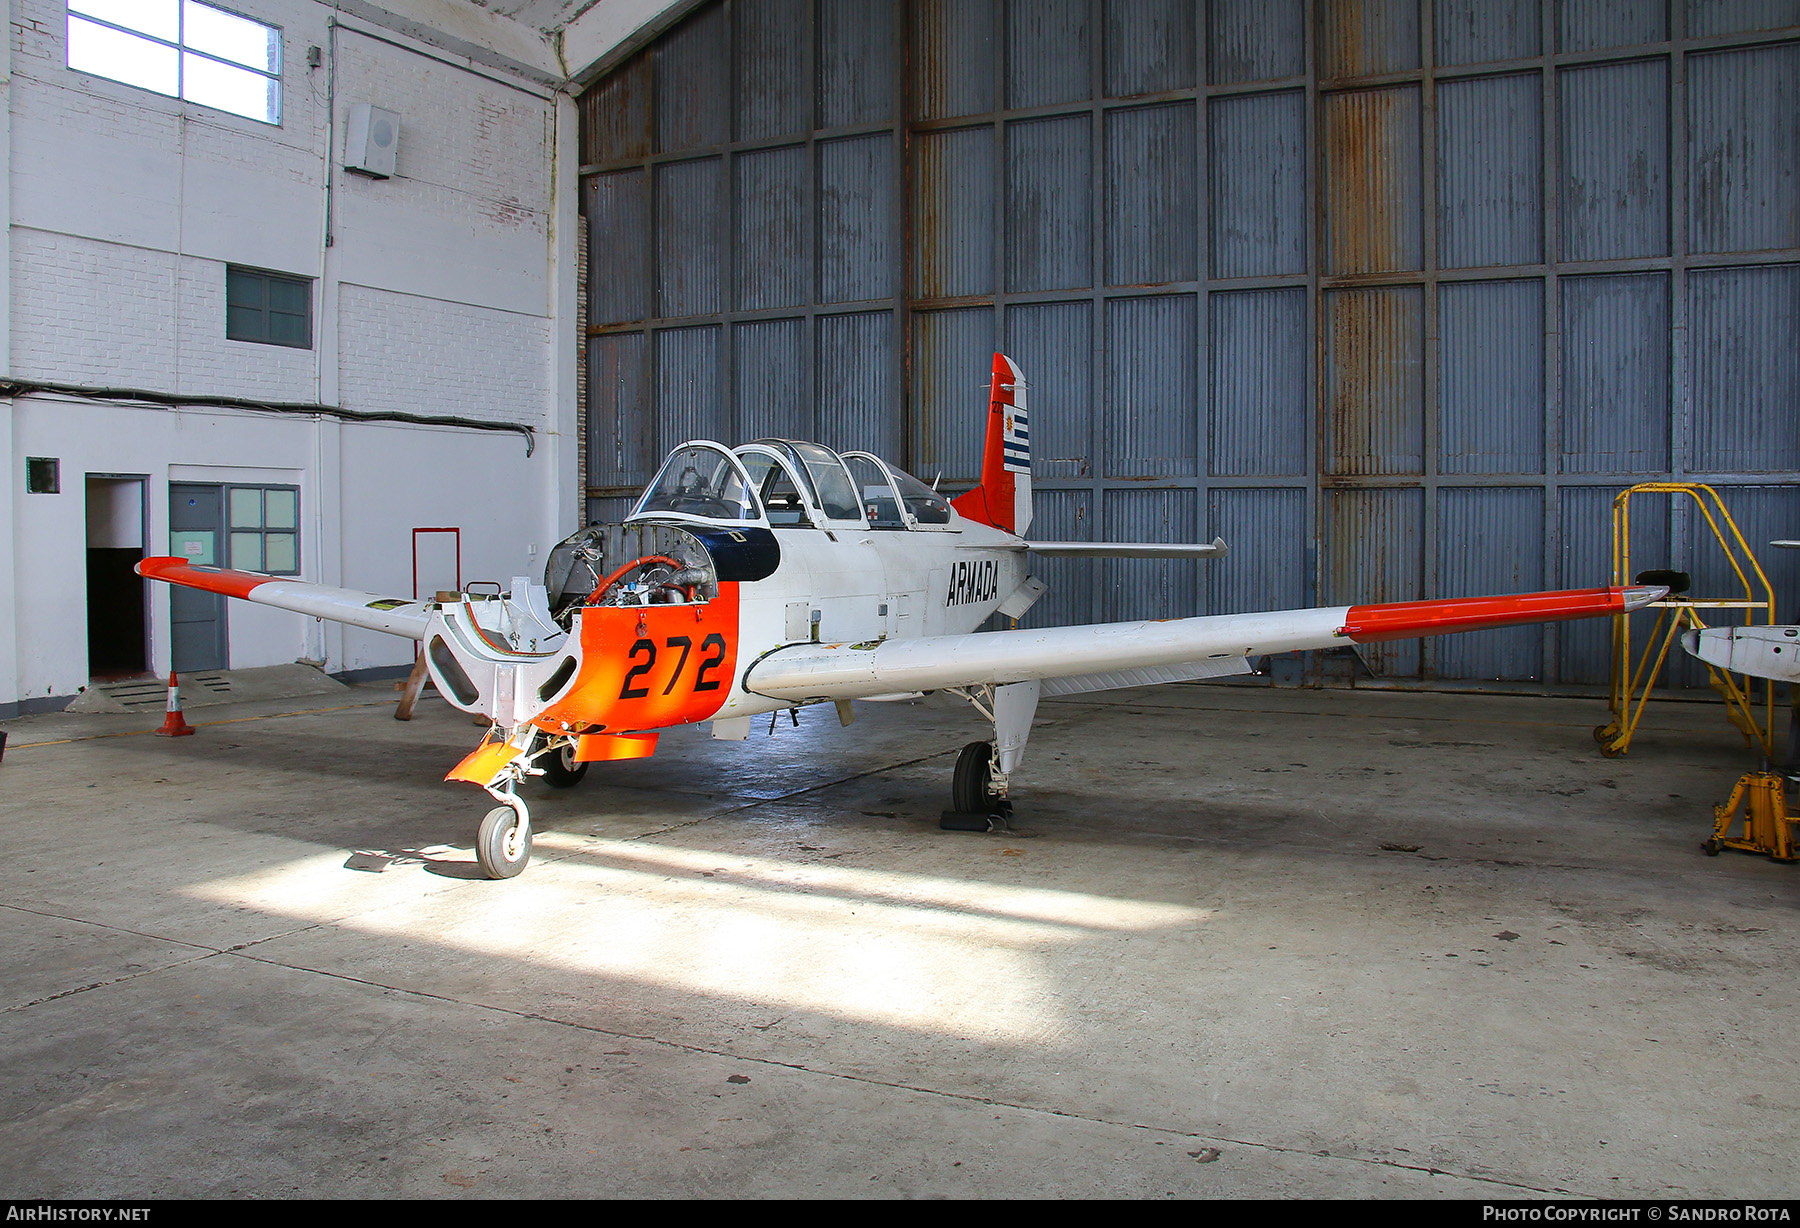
(1632, 680)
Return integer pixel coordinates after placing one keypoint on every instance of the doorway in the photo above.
(118, 633)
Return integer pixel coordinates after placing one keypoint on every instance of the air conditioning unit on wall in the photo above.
(371, 141)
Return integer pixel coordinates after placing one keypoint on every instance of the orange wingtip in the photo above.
(1409, 619)
(211, 579)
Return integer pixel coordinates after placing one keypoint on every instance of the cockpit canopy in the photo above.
(701, 480)
(893, 498)
(786, 483)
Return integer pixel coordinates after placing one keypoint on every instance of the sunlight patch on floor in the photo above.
(905, 950)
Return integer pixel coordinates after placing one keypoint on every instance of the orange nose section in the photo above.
(651, 667)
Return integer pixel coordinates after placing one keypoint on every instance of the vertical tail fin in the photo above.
(1004, 497)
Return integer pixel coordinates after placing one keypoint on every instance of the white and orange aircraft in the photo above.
(780, 574)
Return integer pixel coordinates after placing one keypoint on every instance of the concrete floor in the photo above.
(1244, 942)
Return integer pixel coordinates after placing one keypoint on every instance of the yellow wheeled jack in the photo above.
(1768, 828)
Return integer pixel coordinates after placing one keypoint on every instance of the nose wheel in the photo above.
(503, 843)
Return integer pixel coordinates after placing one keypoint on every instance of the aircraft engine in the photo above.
(574, 568)
(653, 563)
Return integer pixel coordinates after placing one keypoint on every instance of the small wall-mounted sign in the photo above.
(196, 546)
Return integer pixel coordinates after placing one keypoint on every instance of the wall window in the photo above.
(264, 528)
(43, 475)
(270, 308)
(181, 48)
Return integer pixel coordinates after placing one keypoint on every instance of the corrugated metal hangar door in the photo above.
(1393, 295)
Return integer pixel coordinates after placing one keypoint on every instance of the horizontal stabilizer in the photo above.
(1216, 549)
(394, 615)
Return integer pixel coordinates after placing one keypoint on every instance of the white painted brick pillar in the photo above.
(12, 485)
(565, 514)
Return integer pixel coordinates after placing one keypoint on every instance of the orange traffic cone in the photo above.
(174, 724)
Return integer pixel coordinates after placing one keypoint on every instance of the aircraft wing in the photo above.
(1108, 655)
(394, 615)
(1131, 550)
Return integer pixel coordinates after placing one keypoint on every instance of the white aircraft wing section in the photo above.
(394, 615)
(1098, 654)
(1149, 675)
(1215, 549)
(1760, 652)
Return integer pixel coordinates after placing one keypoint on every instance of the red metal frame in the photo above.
(457, 533)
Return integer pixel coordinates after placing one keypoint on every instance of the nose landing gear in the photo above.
(503, 842)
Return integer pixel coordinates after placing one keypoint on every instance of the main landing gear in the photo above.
(979, 788)
(972, 788)
(977, 792)
(560, 769)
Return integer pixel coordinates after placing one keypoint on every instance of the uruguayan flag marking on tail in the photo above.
(1016, 441)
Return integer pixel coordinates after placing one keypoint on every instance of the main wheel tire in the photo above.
(560, 769)
(970, 786)
(501, 848)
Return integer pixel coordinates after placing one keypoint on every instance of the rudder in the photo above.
(1004, 497)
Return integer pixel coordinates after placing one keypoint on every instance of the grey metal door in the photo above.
(196, 533)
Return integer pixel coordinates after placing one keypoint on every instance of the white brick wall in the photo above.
(39, 34)
(126, 207)
(486, 142)
(211, 364)
(425, 356)
(86, 312)
(135, 202)
(472, 184)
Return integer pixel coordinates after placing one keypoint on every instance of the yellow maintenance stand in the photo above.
(1759, 799)
(1754, 600)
